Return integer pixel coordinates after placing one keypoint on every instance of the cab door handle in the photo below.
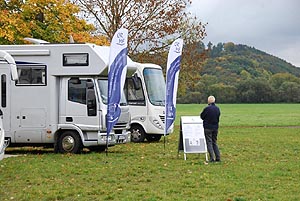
(69, 119)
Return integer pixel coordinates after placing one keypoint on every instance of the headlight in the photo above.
(156, 123)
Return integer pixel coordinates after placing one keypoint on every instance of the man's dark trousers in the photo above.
(211, 136)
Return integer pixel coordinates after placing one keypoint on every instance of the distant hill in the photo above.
(233, 59)
(239, 74)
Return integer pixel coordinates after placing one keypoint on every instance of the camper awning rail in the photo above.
(29, 52)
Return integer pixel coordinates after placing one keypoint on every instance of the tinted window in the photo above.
(77, 91)
(134, 94)
(3, 90)
(31, 75)
(103, 86)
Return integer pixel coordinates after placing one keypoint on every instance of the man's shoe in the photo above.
(211, 161)
(218, 160)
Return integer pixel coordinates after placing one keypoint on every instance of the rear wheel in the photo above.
(153, 137)
(137, 133)
(69, 142)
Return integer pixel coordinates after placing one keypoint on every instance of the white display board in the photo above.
(192, 138)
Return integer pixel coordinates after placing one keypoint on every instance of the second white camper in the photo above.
(145, 89)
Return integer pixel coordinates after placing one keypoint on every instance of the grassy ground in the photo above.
(260, 161)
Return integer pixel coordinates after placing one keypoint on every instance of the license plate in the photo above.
(109, 138)
(121, 137)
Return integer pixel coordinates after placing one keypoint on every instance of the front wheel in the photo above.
(153, 137)
(69, 142)
(137, 133)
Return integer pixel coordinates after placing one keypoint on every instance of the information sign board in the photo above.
(192, 138)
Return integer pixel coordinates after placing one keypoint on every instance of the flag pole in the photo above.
(164, 144)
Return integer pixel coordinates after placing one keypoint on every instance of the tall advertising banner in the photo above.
(116, 76)
(173, 67)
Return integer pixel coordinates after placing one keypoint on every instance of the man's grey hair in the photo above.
(211, 99)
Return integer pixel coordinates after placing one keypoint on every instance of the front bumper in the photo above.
(102, 139)
(123, 138)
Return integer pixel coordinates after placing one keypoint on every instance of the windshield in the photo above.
(103, 86)
(155, 85)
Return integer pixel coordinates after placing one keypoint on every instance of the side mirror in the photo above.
(91, 99)
(89, 85)
(75, 80)
(136, 82)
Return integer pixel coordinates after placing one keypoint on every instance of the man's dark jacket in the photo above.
(210, 116)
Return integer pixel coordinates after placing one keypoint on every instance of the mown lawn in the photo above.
(260, 161)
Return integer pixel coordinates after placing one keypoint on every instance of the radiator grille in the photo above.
(120, 126)
(162, 118)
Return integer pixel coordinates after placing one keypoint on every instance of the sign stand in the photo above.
(191, 137)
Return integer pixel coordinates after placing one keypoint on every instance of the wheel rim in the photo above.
(136, 134)
(68, 143)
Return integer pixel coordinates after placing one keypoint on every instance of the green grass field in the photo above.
(260, 161)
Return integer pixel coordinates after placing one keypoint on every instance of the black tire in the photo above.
(97, 148)
(137, 133)
(153, 137)
(69, 142)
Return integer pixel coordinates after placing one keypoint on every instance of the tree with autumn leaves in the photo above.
(50, 20)
(153, 25)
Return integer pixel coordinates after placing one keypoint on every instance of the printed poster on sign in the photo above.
(192, 138)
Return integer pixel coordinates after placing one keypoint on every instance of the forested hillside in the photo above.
(240, 74)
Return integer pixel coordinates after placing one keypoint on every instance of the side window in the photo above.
(134, 92)
(77, 91)
(31, 75)
(3, 90)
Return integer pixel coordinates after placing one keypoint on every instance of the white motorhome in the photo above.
(145, 91)
(7, 60)
(60, 97)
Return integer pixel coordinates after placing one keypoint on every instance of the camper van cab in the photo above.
(60, 98)
(145, 90)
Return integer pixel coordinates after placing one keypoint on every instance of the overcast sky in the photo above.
(272, 26)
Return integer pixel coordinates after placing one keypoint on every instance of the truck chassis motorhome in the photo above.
(59, 98)
(145, 92)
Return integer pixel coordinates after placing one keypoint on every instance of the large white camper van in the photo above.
(145, 91)
(60, 97)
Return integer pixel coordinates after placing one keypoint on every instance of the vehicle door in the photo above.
(5, 95)
(81, 106)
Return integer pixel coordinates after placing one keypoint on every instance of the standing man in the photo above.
(210, 116)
